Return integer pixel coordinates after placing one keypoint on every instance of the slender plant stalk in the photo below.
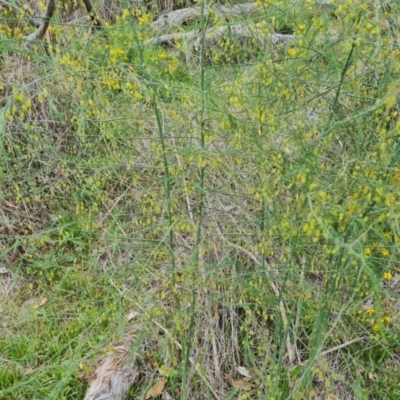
(171, 244)
(196, 258)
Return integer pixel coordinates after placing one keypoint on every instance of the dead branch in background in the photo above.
(246, 33)
(89, 8)
(41, 31)
(212, 35)
(179, 17)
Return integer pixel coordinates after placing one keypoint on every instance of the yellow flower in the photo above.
(385, 252)
(388, 275)
(370, 311)
(137, 96)
(375, 327)
(367, 251)
(20, 97)
(387, 320)
(125, 14)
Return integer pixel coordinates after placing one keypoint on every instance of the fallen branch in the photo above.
(179, 17)
(212, 35)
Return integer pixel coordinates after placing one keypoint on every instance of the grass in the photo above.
(244, 205)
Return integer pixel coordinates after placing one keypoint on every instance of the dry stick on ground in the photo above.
(179, 17)
(333, 349)
(211, 35)
(165, 330)
(32, 21)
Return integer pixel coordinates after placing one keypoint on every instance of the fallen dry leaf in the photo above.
(34, 303)
(331, 396)
(28, 370)
(9, 204)
(244, 383)
(131, 315)
(40, 303)
(156, 389)
(245, 372)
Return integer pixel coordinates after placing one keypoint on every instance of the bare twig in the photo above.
(341, 346)
(333, 349)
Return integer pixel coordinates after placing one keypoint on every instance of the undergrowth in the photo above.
(243, 202)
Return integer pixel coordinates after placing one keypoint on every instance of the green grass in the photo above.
(244, 205)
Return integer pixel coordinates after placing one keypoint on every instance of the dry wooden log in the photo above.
(212, 35)
(179, 17)
(112, 380)
(116, 374)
